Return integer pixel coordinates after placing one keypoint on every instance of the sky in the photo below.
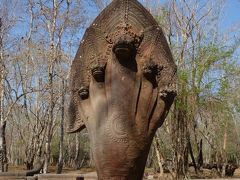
(232, 13)
(230, 21)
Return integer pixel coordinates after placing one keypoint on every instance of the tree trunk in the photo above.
(191, 153)
(52, 59)
(3, 148)
(200, 155)
(77, 153)
(60, 160)
(179, 139)
(224, 152)
(1, 132)
(159, 157)
(50, 120)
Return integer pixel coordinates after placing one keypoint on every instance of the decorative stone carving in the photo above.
(123, 82)
(83, 92)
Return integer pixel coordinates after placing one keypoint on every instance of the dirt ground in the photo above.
(52, 169)
(205, 174)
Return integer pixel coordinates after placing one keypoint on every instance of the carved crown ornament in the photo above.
(126, 34)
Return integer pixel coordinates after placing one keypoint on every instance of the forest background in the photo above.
(38, 41)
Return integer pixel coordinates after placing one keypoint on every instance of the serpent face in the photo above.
(98, 72)
(124, 49)
(83, 92)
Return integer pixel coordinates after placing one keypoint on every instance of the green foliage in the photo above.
(183, 75)
(207, 73)
(208, 56)
(161, 18)
(224, 87)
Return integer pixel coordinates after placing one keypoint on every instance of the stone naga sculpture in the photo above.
(123, 82)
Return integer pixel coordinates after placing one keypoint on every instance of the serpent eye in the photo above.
(83, 92)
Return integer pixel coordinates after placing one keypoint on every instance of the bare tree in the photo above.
(6, 24)
(57, 20)
(200, 51)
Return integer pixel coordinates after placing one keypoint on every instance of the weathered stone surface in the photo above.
(123, 82)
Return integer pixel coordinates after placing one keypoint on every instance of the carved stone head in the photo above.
(123, 82)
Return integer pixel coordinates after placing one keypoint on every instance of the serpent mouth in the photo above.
(83, 92)
(124, 49)
(98, 73)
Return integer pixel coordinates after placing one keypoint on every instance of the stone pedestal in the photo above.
(91, 176)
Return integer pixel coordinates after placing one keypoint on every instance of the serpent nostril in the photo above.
(83, 92)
